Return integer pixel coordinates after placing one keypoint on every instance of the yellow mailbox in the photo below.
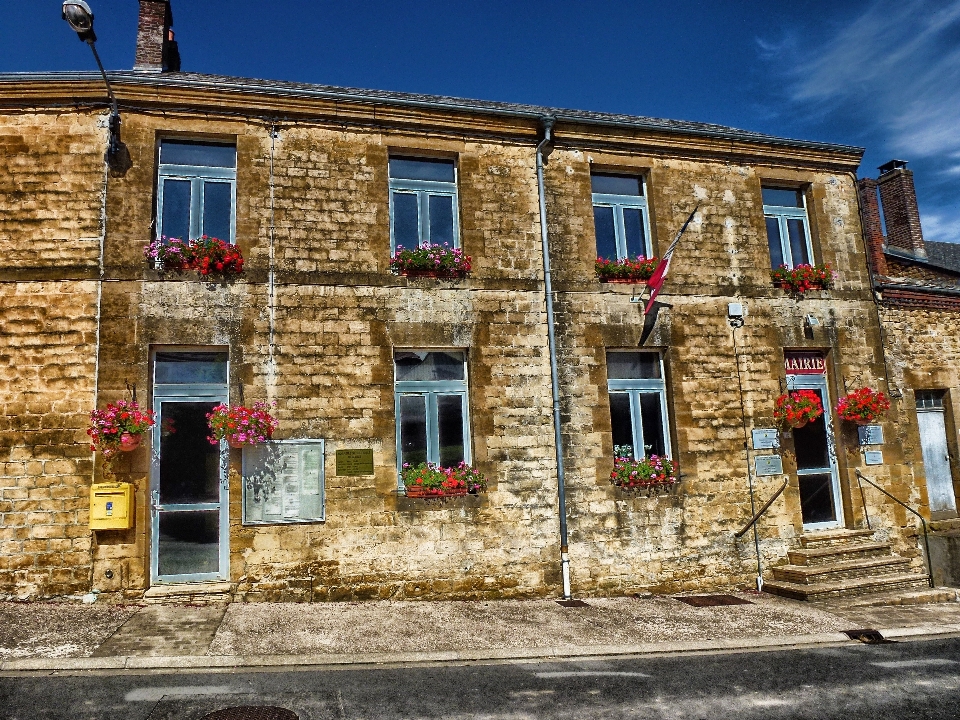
(111, 506)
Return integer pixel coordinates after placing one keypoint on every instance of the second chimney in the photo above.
(900, 213)
(156, 48)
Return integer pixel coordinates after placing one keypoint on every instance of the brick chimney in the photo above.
(157, 50)
(872, 229)
(900, 213)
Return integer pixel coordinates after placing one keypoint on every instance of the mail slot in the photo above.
(111, 506)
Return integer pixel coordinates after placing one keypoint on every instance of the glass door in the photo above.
(819, 479)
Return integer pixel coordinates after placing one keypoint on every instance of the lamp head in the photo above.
(80, 17)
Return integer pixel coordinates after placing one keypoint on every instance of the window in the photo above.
(620, 216)
(788, 233)
(423, 203)
(196, 190)
(431, 407)
(638, 404)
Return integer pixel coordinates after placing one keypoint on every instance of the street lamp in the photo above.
(80, 17)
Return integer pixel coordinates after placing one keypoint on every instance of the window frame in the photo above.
(430, 390)
(619, 203)
(423, 189)
(196, 175)
(782, 214)
(634, 388)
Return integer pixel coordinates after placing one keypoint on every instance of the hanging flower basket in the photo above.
(653, 474)
(863, 406)
(241, 426)
(438, 261)
(803, 277)
(118, 427)
(797, 408)
(207, 255)
(625, 271)
(429, 480)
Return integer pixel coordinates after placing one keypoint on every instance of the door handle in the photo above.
(155, 499)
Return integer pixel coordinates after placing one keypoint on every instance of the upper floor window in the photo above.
(197, 190)
(620, 216)
(638, 404)
(423, 203)
(431, 407)
(788, 231)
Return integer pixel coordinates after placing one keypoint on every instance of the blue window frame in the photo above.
(788, 230)
(197, 190)
(638, 404)
(423, 203)
(620, 216)
(431, 407)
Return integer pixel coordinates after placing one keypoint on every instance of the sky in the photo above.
(879, 74)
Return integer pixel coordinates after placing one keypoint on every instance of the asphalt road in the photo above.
(901, 680)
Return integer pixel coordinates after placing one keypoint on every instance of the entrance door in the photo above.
(189, 486)
(817, 472)
(936, 459)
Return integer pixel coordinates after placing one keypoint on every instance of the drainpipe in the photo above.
(543, 149)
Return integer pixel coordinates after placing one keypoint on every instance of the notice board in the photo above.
(283, 482)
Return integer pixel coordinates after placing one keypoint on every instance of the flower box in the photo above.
(240, 425)
(863, 406)
(797, 408)
(207, 255)
(439, 261)
(451, 275)
(803, 278)
(433, 493)
(625, 271)
(429, 480)
(649, 475)
(119, 427)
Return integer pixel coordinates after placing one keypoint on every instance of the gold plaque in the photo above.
(354, 462)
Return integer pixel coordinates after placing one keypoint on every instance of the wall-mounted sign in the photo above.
(873, 457)
(352, 463)
(769, 465)
(805, 363)
(870, 434)
(283, 482)
(766, 439)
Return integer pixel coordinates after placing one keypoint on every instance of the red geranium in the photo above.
(863, 406)
(206, 255)
(797, 408)
(803, 277)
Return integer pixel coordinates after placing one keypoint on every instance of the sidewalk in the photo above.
(74, 636)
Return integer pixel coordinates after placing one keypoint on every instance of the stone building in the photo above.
(317, 186)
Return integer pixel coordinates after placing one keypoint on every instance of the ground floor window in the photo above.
(638, 404)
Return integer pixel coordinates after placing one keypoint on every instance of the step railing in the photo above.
(926, 542)
(766, 506)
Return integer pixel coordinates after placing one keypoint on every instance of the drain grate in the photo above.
(712, 600)
(868, 636)
(252, 712)
(572, 603)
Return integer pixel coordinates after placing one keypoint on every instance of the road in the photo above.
(918, 679)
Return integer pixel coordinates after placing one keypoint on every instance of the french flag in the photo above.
(660, 273)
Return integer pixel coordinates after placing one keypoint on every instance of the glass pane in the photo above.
(930, 399)
(200, 154)
(441, 220)
(408, 169)
(798, 242)
(633, 229)
(209, 368)
(406, 221)
(816, 498)
(810, 443)
(606, 234)
(616, 184)
(622, 425)
(450, 429)
(175, 214)
(633, 365)
(217, 200)
(189, 543)
(783, 197)
(189, 464)
(413, 429)
(429, 365)
(773, 240)
(651, 418)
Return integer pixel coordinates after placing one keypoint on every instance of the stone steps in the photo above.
(832, 538)
(838, 553)
(849, 570)
(201, 593)
(845, 588)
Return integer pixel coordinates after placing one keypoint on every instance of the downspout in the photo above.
(544, 148)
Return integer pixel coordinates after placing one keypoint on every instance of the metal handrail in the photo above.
(926, 542)
(761, 511)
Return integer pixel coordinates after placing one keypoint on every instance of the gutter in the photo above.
(921, 289)
(543, 149)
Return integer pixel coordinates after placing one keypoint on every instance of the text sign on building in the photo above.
(805, 363)
(766, 439)
(283, 482)
(352, 463)
(769, 465)
(870, 434)
(873, 457)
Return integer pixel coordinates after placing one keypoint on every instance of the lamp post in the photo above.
(80, 17)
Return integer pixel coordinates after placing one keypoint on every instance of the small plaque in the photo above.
(870, 434)
(873, 457)
(766, 439)
(769, 465)
(353, 463)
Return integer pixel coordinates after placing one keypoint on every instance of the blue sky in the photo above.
(884, 74)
